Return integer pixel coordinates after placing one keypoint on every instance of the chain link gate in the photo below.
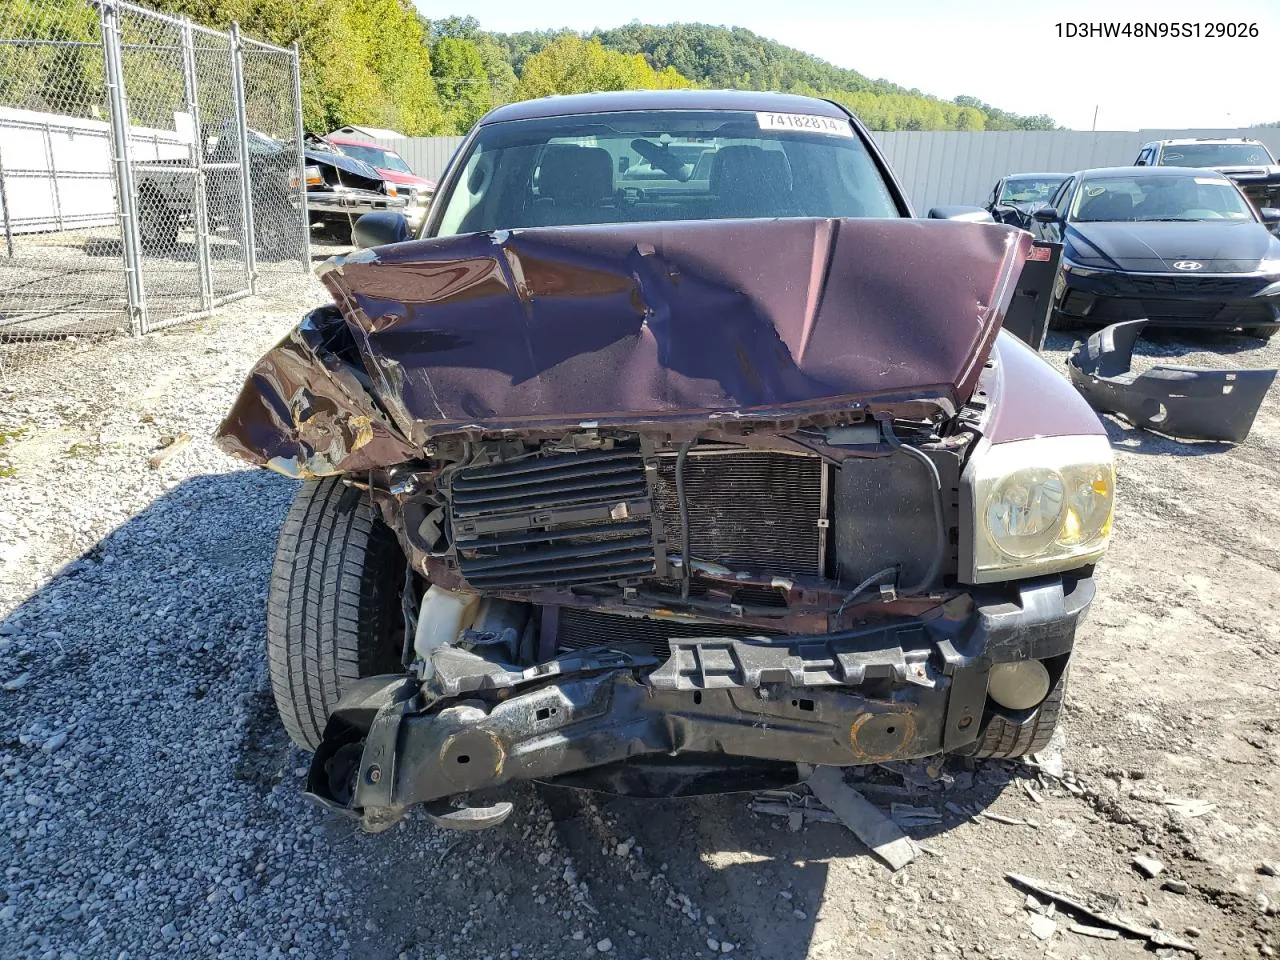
(151, 169)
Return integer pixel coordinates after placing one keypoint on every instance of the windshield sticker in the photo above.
(1207, 181)
(1095, 191)
(804, 123)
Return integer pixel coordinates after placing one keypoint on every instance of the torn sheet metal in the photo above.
(1194, 403)
(306, 409)
(697, 324)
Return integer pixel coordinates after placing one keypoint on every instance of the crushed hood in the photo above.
(343, 162)
(697, 323)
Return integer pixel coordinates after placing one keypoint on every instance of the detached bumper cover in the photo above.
(1189, 402)
(911, 689)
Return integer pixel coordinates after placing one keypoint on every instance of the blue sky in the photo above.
(1006, 52)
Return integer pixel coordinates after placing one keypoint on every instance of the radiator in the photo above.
(747, 510)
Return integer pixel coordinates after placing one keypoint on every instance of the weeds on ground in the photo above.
(8, 436)
(85, 449)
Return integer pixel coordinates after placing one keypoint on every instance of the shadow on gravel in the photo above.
(1133, 439)
(133, 739)
(1158, 342)
(658, 878)
(766, 886)
(183, 250)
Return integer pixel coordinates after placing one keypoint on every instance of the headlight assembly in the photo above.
(311, 174)
(1073, 268)
(1036, 506)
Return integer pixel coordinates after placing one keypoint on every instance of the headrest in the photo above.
(578, 174)
(748, 167)
(1108, 205)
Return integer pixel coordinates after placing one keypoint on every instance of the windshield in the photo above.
(662, 165)
(1159, 198)
(1037, 190)
(374, 156)
(1214, 154)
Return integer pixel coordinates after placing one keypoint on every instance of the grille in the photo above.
(580, 629)
(1113, 309)
(748, 511)
(1188, 286)
(553, 521)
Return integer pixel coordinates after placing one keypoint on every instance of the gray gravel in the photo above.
(149, 800)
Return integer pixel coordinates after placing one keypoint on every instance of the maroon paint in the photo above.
(704, 321)
(1030, 400)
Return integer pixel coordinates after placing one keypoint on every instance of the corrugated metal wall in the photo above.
(427, 155)
(945, 166)
(961, 167)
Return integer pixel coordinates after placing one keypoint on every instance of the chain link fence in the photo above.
(150, 170)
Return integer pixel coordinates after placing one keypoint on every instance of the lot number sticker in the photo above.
(804, 123)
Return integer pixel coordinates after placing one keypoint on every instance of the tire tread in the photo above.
(1002, 740)
(332, 604)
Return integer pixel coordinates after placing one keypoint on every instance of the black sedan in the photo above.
(1016, 197)
(1172, 245)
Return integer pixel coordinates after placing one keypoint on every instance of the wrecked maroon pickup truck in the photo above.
(668, 485)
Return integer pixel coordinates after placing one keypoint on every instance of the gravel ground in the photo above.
(150, 803)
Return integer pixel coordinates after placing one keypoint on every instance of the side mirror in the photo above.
(969, 214)
(382, 227)
(1046, 215)
(1269, 214)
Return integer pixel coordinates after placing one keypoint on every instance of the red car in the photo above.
(416, 190)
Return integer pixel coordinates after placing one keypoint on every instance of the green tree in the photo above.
(570, 64)
(493, 54)
(64, 78)
(460, 28)
(379, 62)
(461, 82)
(998, 119)
(365, 62)
(502, 77)
(389, 35)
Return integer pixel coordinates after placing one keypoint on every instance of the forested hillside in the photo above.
(381, 63)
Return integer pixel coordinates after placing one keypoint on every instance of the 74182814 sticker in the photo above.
(804, 123)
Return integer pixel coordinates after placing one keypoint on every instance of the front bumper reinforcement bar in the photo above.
(910, 689)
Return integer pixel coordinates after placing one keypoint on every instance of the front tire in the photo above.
(333, 606)
(1003, 740)
(1263, 331)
